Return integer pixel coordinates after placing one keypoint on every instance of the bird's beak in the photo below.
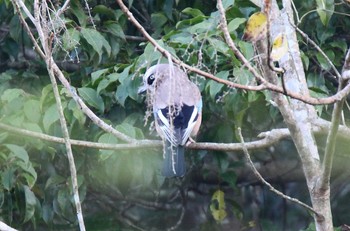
(142, 89)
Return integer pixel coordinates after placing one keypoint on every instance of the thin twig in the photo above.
(257, 174)
(63, 8)
(309, 40)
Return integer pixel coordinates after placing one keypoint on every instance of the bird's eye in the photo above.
(150, 79)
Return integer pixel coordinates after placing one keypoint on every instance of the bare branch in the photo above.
(321, 127)
(63, 8)
(257, 174)
(309, 40)
(268, 139)
(73, 170)
(332, 135)
(136, 145)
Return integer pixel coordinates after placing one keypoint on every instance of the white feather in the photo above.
(190, 126)
(168, 131)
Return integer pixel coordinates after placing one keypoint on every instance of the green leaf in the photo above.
(247, 49)
(18, 152)
(11, 94)
(77, 113)
(193, 12)
(30, 174)
(96, 40)
(325, 9)
(341, 44)
(30, 203)
(70, 39)
(158, 20)
(124, 75)
(54, 181)
(188, 22)
(32, 110)
(127, 129)
(48, 213)
(105, 82)
(8, 179)
(219, 45)
(63, 199)
(92, 98)
(115, 29)
(201, 27)
(121, 94)
(102, 9)
(322, 60)
(78, 11)
(234, 24)
(215, 87)
(108, 139)
(98, 74)
(51, 116)
(230, 177)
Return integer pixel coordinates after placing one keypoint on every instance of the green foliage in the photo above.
(104, 68)
(325, 9)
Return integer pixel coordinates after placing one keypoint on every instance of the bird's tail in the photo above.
(174, 161)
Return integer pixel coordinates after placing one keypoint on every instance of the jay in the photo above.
(177, 110)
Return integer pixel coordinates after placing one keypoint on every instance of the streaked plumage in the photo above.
(177, 107)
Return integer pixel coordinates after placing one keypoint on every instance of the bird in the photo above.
(177, 110)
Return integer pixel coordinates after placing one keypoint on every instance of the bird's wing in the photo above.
(190, 126)
(165, 127)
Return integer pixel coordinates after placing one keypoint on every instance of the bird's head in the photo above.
(154, 74)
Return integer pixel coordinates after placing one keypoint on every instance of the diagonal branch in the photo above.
(309, 40)
(257, 174)
(73, 170)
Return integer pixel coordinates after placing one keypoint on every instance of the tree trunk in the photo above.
(297, 115)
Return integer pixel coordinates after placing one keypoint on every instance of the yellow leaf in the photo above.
(219, 215)
(256, 27)
(279, 47)
(218, 206)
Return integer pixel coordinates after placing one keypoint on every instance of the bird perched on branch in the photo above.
(177, 110)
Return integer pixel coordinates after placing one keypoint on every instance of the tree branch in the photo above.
(73, 170)
(268, 139)
(320, 127)
(309, 40)
(136, 145)
(257, 174)
(40, 13)
(332, 135)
